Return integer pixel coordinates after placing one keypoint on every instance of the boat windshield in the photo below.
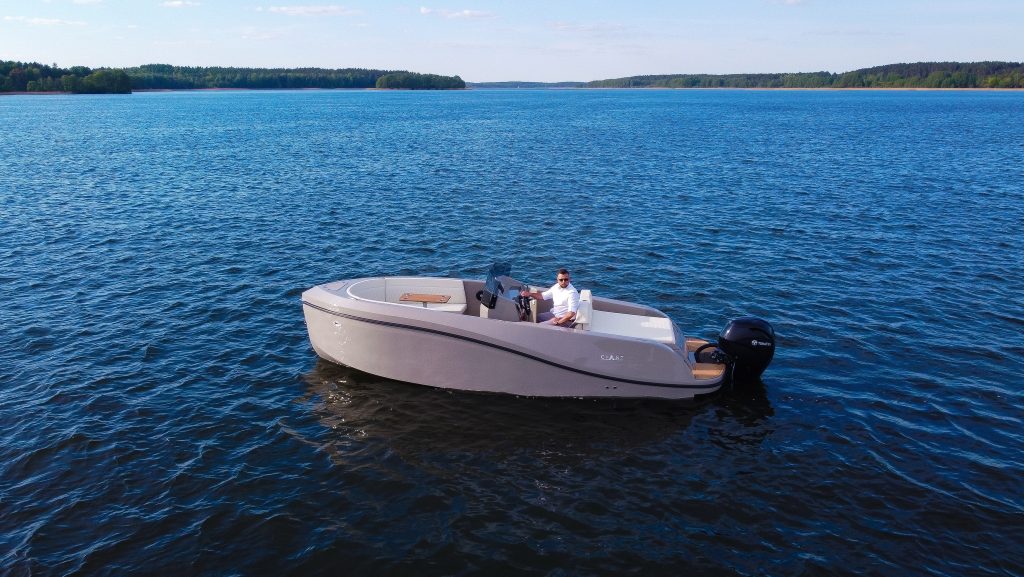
(493, 287)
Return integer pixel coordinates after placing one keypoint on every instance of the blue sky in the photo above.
(514, 40)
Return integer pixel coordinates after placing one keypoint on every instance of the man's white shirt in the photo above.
(563, 299)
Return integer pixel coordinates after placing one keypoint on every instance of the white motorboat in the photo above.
(482, 336)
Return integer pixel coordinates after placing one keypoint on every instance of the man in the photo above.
(565, 297)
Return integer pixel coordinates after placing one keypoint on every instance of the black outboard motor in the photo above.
(750, 344)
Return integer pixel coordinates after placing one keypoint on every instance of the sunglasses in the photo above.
(562, 279)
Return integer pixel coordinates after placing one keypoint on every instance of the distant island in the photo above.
(35, 77)
(917, 75)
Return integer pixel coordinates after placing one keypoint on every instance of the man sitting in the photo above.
(565, 297)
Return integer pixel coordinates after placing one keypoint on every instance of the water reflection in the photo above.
(412, 418)
(743, 416)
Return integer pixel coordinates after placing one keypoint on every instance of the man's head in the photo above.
(562, 277)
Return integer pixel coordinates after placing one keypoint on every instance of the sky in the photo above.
(524, 40)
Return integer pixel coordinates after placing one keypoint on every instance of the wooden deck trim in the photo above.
(425, 298)
(707, 370)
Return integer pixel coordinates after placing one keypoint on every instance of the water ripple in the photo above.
(162, 411)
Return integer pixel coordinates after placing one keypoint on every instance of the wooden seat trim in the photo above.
(425, 298)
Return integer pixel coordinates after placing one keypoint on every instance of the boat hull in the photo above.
(469, 353)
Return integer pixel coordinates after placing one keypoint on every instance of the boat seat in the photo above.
(636, 326)
(459, 307)
(390, 290)
(584, 314)
(621, 324)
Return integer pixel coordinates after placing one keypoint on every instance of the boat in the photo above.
(481, 335)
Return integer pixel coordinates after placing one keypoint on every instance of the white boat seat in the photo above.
(636, 326)
(390, 290)
(448, 308)
(584, 314)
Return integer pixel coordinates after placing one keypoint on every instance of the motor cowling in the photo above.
(750, 344)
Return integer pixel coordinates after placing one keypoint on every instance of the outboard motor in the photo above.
(749, 342)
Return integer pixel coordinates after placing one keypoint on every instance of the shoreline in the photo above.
(141, 90)
(828, 88)
(471, 88)
(242, 89)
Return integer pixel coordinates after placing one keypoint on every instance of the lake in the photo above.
(162, 412)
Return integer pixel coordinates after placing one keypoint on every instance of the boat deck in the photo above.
(703, 370)
(449, 295)
(635, 326)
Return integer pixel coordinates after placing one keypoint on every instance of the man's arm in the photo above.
(574, 305)
(566, 318)
(537, 294)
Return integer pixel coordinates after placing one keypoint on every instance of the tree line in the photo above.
(35, 77)
(166, 76)
(916, 75)
(415, 81)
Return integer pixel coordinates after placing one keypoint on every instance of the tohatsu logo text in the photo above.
(757, 343)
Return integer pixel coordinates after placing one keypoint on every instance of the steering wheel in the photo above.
(523, 304)
(717, 356)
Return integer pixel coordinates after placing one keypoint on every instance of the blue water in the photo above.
(162, 412)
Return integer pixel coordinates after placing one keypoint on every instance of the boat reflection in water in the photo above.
(366, 409)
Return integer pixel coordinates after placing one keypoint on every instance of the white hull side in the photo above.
(442, 360)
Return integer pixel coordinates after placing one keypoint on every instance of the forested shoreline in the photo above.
(916, 75)
(415, 81)
(165, 76)
(35, 77)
